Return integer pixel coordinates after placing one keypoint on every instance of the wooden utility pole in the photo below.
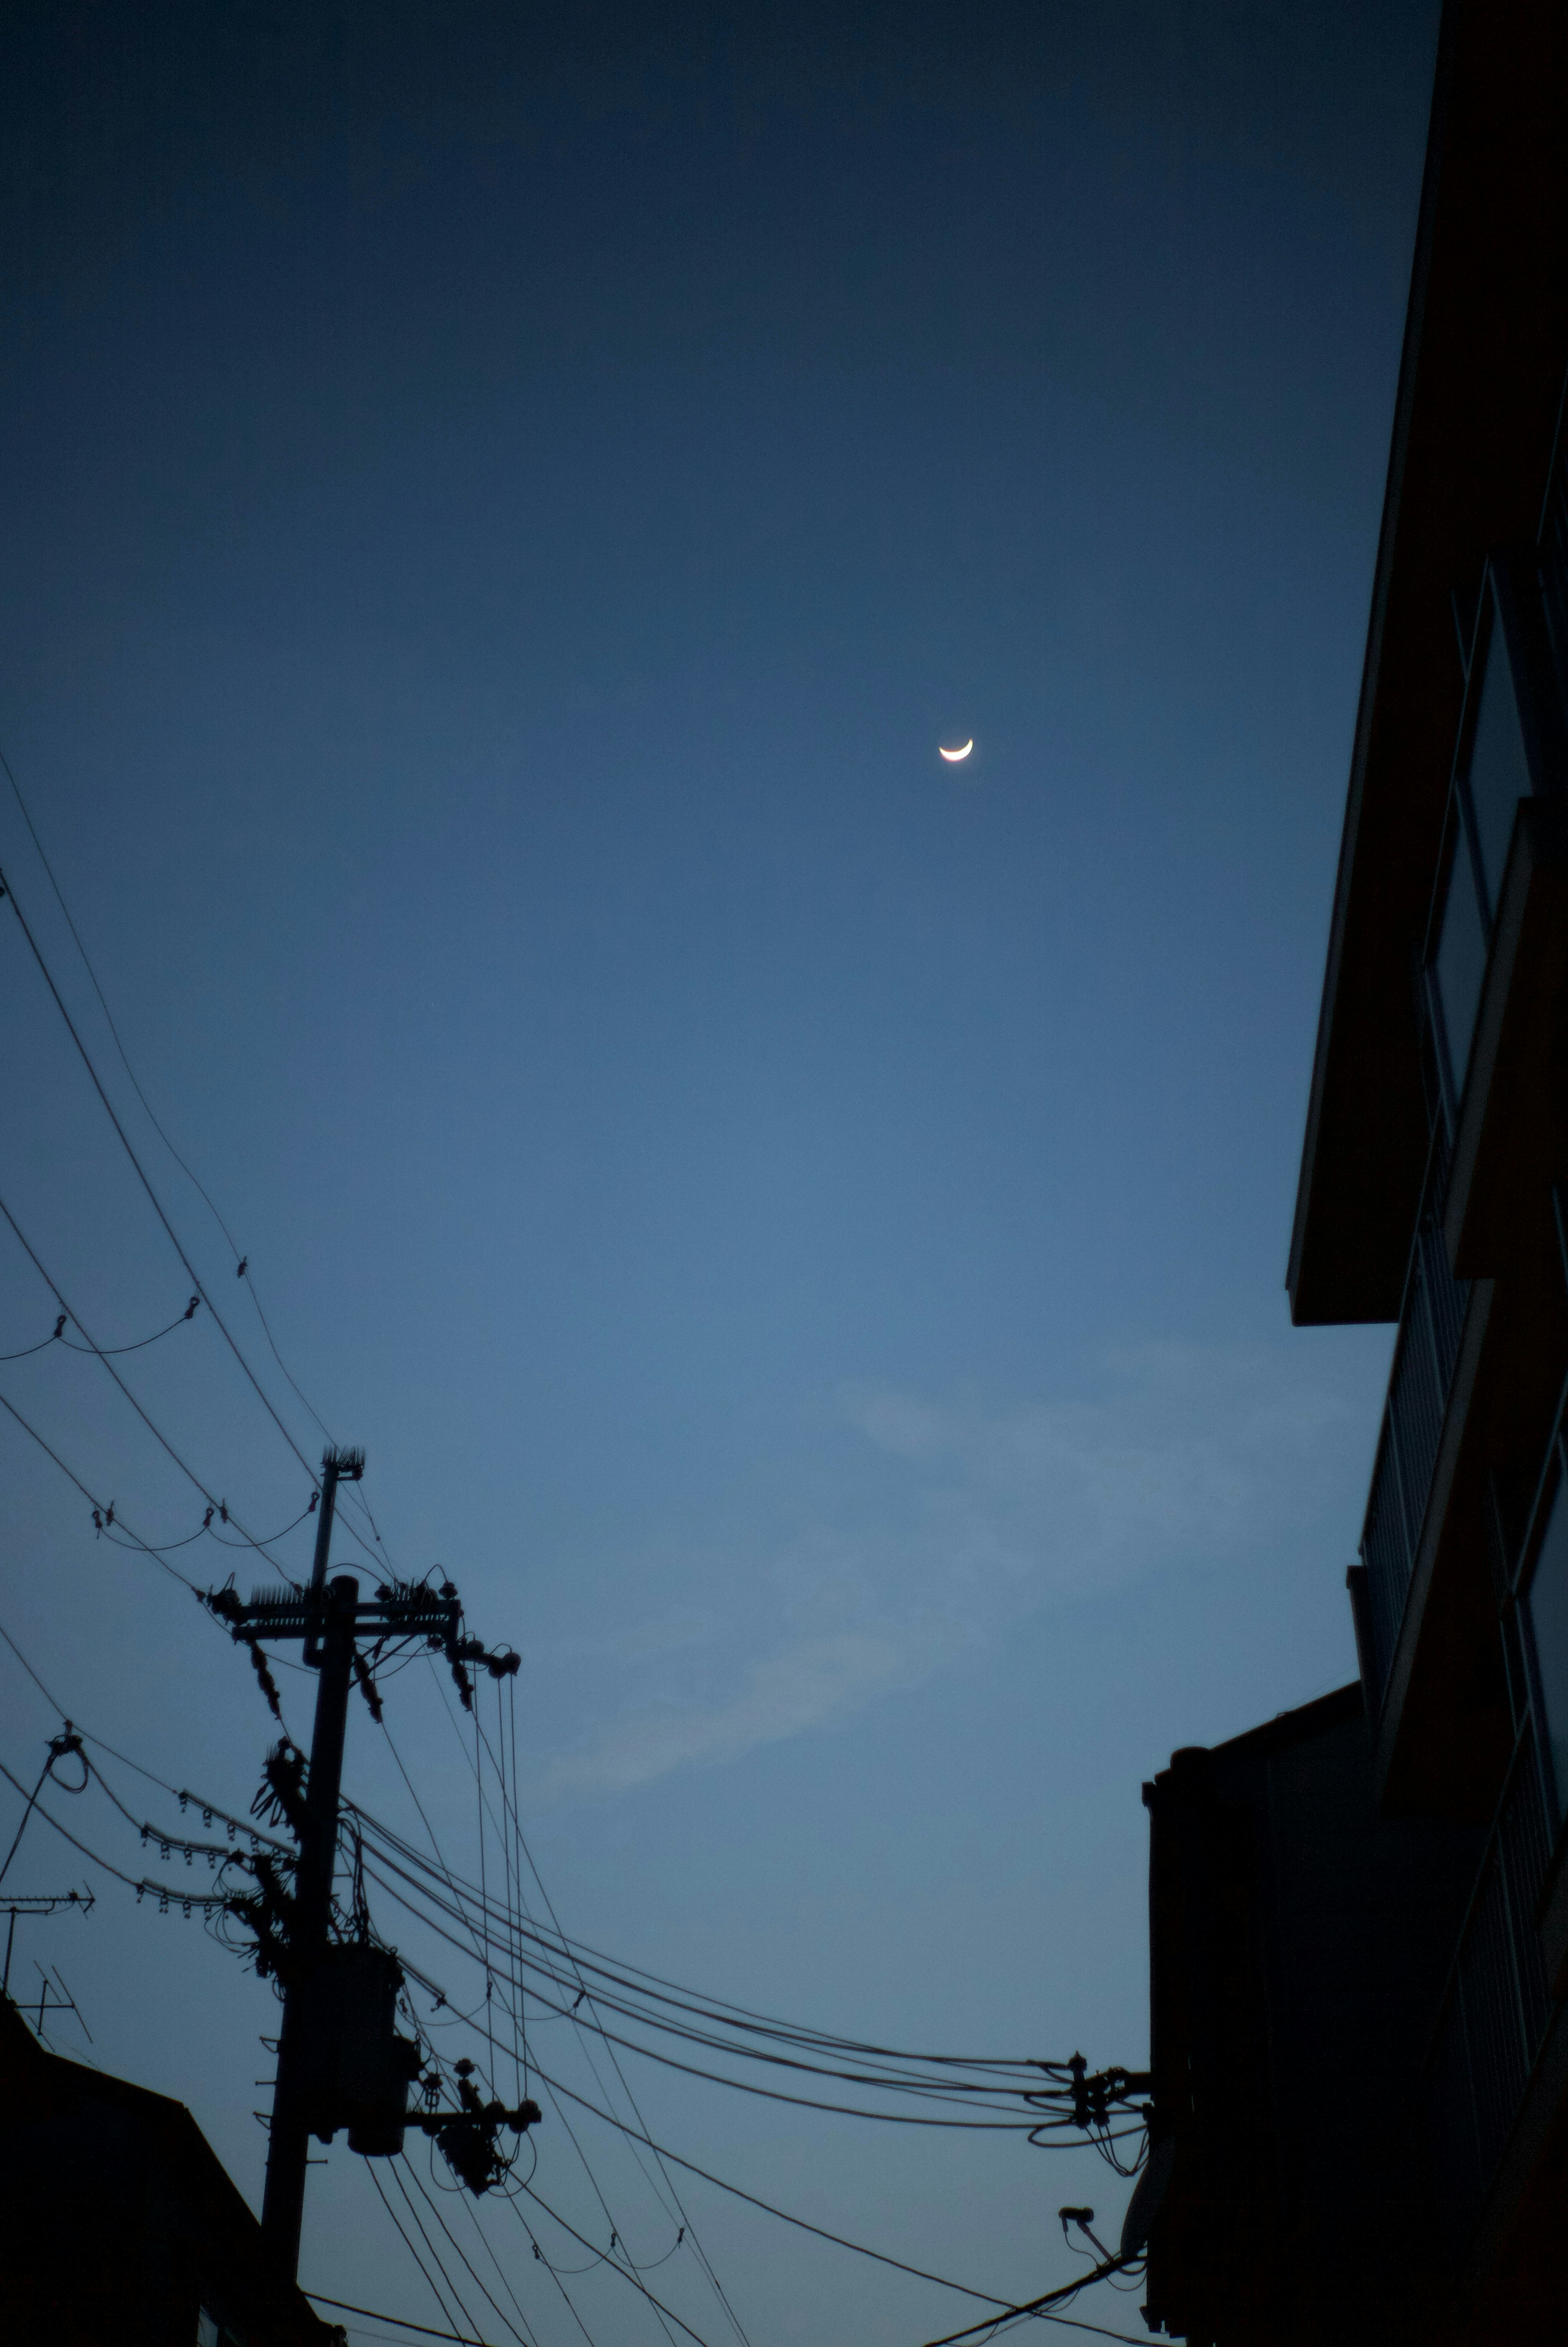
(340, 2061)
(283, 2201)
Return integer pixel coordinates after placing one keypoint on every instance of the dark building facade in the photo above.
(1434, 1194)
(1298, 1942)
(117, 2222)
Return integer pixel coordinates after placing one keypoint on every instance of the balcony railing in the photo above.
(1495, 2006)
(1424, 1358)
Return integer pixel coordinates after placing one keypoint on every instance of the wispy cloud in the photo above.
(808, 1683)
(1182, 1456)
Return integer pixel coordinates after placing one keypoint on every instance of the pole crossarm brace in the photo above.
(394, 1611)
(399, 1609)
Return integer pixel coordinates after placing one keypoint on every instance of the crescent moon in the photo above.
(953, 756)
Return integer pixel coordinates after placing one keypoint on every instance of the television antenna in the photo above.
(42, 1902)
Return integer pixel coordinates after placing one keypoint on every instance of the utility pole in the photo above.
(288, 2149)
(348, 1465)
(340, 2061)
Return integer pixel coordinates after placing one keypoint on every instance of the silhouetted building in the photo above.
(117, 2222)
(1432, 1192)
(1298, 1947)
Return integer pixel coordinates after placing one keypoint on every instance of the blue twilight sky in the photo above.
(501, 507)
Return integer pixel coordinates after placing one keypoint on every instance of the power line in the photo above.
(611, 2040)
(560, 2285)
(141, 1343)
(565, 2123)
(618, 1973)
(465, 1918)
(686, 2224)
(490, 2038)
(611, 2267)
(106, 1511)
(143, 1176)
(693, 2070)
(1068, 2291)
(471, 2337)
(482, 1742)
(1008, 2311)
(152, 1116)
(435, 2253)
(803, 2224)
(467, 2202)
(582, 1957)
(445, 2228)
(103, 1002)
(342, 2306)
(102, 1506)
(189, 1899)
(214, 1501)
(242, 1262)
(176, 1792)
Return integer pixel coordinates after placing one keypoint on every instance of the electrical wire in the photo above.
(1067, 2292)
(156, 1203)
(414, 2173)
(612, 2267)
(103, 1004)
(583, 1961)
(803, 2224)
(693, 2070)
(102, 1506)
(179, 1793)
(686, 2226)
(736, 2191)
(342, 2306)
(394, 2171)
(187, 1899)
(584, 1958)
(242, 1262)
(489, 2034)
(28, 1350)
(556, 2279)
(466, 2199)
(141, 1344)
(177, 1841)
(481, 1743)
(32, 1802)
(457, 1914)
(1007, 2316)
(471, 2337)
(184, 1465)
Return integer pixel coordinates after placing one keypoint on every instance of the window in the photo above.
(1546, 1608)
(1460, 960)
(1497, 776)
(1483, 802)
